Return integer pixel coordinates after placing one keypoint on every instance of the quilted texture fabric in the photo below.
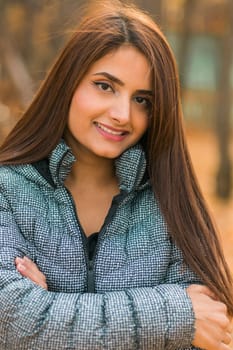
(139, 276)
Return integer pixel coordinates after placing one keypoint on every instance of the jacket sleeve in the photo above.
(33, 318)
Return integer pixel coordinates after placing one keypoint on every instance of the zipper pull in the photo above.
(90, 277)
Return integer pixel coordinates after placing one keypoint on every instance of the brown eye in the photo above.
(143, 102)
(140, 100)
(103, 86)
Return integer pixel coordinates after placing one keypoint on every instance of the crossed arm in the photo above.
(139, 318)
(212, 325)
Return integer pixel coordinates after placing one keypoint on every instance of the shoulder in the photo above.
(11, 184)
(145, 210)
(8, 174)
(17, 178)
(146, 201)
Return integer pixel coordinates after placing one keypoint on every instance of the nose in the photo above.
(121, 111)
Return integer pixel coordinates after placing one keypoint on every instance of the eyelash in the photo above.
(100, 84)
(146, 102)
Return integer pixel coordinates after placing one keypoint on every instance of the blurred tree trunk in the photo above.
(223, 120)
(12, 60)
(188, 11)
(17, 70)
(154, 7)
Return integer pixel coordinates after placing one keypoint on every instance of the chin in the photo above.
(110, 155)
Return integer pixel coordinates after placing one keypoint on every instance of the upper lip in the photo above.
(111, 128)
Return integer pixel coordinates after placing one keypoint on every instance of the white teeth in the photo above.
(108, 130)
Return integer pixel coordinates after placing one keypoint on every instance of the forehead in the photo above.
(127, 63)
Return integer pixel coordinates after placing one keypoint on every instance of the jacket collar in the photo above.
(130, 166)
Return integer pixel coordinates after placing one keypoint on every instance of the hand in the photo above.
(212, 325)
(29, 269)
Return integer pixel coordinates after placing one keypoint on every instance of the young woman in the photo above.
(100, 208)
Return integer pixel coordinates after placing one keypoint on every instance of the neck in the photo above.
(93, 171)
(90, 170)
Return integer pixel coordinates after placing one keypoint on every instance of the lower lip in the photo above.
(110, 136)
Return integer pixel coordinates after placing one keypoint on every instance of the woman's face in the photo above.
(110, 109)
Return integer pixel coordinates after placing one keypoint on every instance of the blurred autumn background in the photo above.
(201, 35)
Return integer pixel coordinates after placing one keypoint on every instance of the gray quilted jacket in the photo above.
(131, 296)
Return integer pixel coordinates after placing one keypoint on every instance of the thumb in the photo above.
(203, 289)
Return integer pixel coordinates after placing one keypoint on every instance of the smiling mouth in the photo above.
(110, 131)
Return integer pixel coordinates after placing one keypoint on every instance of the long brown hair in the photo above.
(104, 28)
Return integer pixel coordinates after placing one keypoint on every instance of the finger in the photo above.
(35, 276)
(205, 290)
(29, 263)
(19, 263)
(221, 321)
(25, 261)
(227, 338)
(34, 273)
(223, 346)
(201, 289)
(29, 269)
(25, 271)
(25, 258)
(18, 260)
(230, 328)
(21, 268)
(26, 267)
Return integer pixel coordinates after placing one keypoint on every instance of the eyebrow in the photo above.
(121, 83)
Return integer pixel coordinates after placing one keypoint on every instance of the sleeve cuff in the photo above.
(180, 317)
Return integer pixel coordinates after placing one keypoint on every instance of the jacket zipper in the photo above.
(91, 262)
(90, 277)
(114, 205)
(89, 266)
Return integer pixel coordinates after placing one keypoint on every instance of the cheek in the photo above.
(80, 102)
(143, 126)
(86, 105)
(79, 111)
